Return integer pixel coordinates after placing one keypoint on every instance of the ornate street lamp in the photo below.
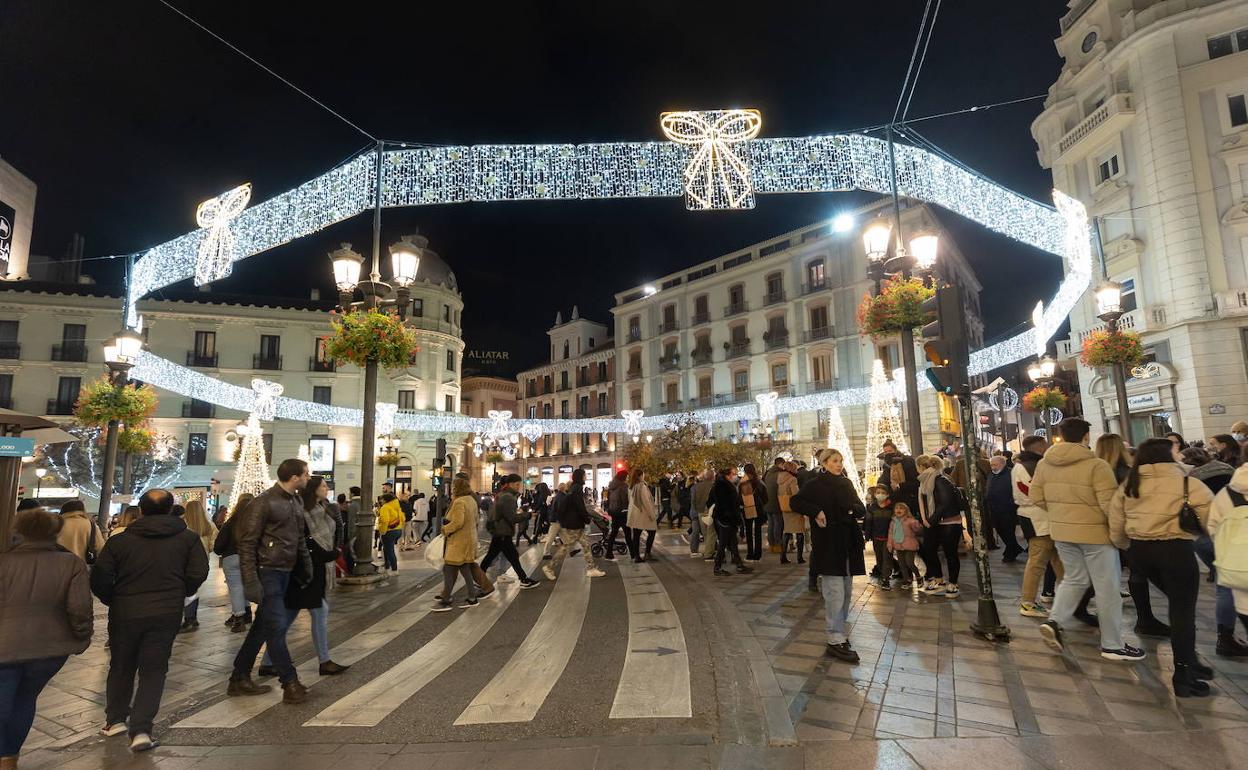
(1109, 310)
(120, 354)
(39, 474)
(1041, 373)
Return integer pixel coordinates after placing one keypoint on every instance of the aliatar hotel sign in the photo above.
(487, 360)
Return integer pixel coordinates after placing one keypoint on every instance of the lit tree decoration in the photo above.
(883, 419)
(81, 463)
(716, 177)
(251, 475)
(838, 439)
(216, 251)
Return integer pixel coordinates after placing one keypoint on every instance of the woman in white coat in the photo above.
(641, 515)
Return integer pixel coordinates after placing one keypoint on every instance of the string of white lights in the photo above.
(435, 175)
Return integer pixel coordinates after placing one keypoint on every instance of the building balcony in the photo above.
(819, 386)
(736, 308)
(318, 365)
(701, 356)
(634, 335)
(668, 326)
(58, 407)
(198, 409)
(815, 286)
(818, 333)
(1105, 121)
(273, 363)
(701, 318)
(1230, 303)
(202, 360)
(669, 363)
(10, 350)
(633, 374)
(776, 340)
(737, 349)
(671, 406)
(773, 298)
(701, 402)
(70, 351)
(1133, 321)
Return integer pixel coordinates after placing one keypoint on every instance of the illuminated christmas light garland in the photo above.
(440, 175)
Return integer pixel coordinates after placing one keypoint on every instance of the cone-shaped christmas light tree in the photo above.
(883, 420)
(838, 439)
(252, 474)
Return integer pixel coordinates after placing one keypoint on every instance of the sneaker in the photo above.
(529, 583)
(1046, 599)
(1031, 610)
(595, 572)
(294, 692)
(466, 603)
(116, 728)
(744, 570)
(886, 586)
(904, 586)
(505, 579)
(843, 652)
(482, 594)
(935, 588)
(143, 742)
(245, 686)
(721, 573)
(549, 573)
(952, 589)
(1126, 653)
(1051, 633)
(441, 606)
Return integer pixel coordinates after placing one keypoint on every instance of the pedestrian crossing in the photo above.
(655, 682)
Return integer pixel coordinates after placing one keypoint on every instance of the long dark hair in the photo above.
(1153, 451)
(1229, 453)
(309, 492)
(751, 473)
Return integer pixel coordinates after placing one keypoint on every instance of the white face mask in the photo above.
(1237, 436)
(881, 498)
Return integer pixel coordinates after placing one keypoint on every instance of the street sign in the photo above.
(17, 447)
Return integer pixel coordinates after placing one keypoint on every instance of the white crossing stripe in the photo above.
(655, 679)
(373, 702)
(518, 690)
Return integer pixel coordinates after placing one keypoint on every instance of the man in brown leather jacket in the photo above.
(272, 551)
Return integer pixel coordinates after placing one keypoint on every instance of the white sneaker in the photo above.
(142, 742)
(505, 579)
(549, 573)
(951, 589)
(116, 728)
(595, 572)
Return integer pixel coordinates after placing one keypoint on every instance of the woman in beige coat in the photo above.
(460, 533)
(641, 515)
(794, 523)
(196, 521)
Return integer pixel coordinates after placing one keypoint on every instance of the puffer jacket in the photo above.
(45, 603)
(460, 530)
(1154, 515)
(1222, 509)
(390, 517)
(270, 535)
(148, 570)
(1075, 488)
(1024, 465)
(617, 496)
(75, 536)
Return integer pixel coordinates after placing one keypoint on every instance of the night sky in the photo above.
(127, 116)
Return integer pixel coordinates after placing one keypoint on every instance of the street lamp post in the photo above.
(1109, 310)
(39, 474)
(877, 242)
(1041, 373)
(405, 261)
(120, 353)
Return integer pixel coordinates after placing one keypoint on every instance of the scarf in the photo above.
(898, 532)
(927, 490)
(320, 526)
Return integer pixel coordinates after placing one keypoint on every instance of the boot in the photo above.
(1228, 645)
(1201, 671)
(1186, 685)
(294, 692)
(244, 686)
(330, 668)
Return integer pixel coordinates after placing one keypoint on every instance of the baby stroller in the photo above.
(603, 523)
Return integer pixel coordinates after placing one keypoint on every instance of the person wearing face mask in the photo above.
(875, 527)
(1239, 432)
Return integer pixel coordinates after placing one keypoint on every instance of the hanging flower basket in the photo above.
(494, 457)
(362, 335)
(388, 458)
(101, 401)
(136, 441)
(1103, 348)
(895, 308)
(1040, 399)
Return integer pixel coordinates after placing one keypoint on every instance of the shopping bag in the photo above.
(435, 553)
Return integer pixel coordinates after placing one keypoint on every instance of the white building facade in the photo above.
(1147, 124)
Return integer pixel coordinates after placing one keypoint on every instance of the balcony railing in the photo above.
(1128, 322)
(202, 360)
(56, 406)
(701, 356)
(319, 365)
(668, 326)
(816, 334)
(814, 286)
(633, 374)
(259, 361)
(773, 297)
(819, 386)
(69, 351)
(198, 409)
(10, 350)
(1118, 104)
(669, 363)
(634, 335)
(777, 340)
(671, 406)
(736, 309)
(703, 317)
(738, 348)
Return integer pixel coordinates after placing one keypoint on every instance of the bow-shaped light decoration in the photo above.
(531, 430)
(498, 432)
(767, 405)
(385, 418)
(716, 177)
(632, 422)
(1151, 369)
(266, 398)
(216, 251)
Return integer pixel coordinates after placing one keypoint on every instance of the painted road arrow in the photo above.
(660, 651)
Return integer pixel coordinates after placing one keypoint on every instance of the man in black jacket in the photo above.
(726, 517)
(573, 516)
(144, 575)
(505, 515)
(271, 546)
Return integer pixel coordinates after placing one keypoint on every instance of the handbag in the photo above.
(89, 556)
(707, 517)
(1189, 522)
(435, 552)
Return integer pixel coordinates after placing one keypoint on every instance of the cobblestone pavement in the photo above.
(732, 671)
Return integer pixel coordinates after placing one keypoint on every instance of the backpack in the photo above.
(1230, 544)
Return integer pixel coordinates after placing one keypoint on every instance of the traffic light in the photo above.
(946, 342)
(439, 451)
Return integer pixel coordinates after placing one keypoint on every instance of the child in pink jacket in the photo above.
(903, 543)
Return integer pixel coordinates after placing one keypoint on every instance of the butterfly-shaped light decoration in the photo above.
(216, 251)
(385, 418)
(498, 432)
(632, 422)
(716, 177)
(767, 405)
(265, 407)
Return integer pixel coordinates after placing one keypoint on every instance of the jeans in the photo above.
(775, 527)
(320, 631)
(20, 685)
(388, 540)
(949, 536)
(571, 538)
(1168, 564)
(837, 593)
(1224, 606)
(634, 542)
(1041, 553)
(190, 611)
(754, 538)
(552, 532)
(269, 629)
(695, 534)
(1096, 566)
(502, 545)
(142, 646)
(234, 583)
(726, 545)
